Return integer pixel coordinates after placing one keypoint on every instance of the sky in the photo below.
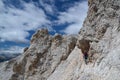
(20, 19)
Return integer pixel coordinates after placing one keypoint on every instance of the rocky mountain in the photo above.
(61, 57)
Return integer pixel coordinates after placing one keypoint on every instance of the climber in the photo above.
(85, 56)
(84, 45)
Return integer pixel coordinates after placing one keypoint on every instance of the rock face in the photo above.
(42, 58)
(58, 58)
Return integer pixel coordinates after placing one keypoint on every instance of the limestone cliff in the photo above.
(58, 58)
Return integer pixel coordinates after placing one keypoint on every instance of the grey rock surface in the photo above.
(58, 58)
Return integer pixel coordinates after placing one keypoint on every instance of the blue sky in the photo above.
(19, 19)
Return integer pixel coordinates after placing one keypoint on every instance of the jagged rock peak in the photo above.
(42, 57)
(39, 34)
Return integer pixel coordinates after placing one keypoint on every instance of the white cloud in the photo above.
(15, 23)
(12, 50)
(49, 8)
(72, 29)
(74, 15)
(14, 35)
